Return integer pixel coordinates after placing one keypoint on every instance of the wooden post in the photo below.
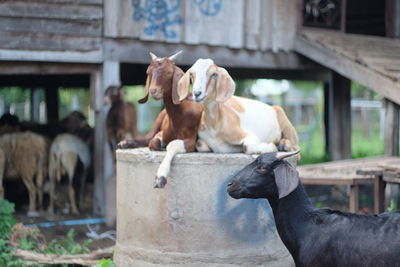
(327, 113)
(379, 194)
(51, 94)
(391, 128)
(35, 104)
(391, 141)
(353, 201)
(339, 116)
(392, 18)
(99, 139)
(104, 168)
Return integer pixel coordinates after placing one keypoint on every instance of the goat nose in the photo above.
(197, 93)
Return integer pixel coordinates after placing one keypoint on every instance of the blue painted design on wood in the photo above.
(247, 220)
(209, 7)
(160, 15)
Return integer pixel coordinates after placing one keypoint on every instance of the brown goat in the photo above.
(121, 118)
(176, 126)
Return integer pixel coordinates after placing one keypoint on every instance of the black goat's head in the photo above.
(269, 176)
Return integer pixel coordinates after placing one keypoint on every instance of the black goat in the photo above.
(317, 237)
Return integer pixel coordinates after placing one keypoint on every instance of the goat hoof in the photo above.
(160, 182)
(33, 214)
(121, 144)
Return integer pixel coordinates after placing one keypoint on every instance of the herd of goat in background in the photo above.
(208, 119)
(33, 152)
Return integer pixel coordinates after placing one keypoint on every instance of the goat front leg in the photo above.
(252, 145)
(28, 181)
(173, 148)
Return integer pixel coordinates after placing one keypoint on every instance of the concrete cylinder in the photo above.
(192, 221)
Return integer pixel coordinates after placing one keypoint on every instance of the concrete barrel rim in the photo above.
(146, 155)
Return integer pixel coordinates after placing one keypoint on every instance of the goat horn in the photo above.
(172, 58)
(283, 155)
(153, 57)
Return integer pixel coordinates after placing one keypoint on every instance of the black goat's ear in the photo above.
(286, 179)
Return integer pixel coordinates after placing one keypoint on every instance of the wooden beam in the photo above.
(94, 56)
(391, 139)
(52, 101)
(35, 104)
(42, 68)
(350, 69)
(133, 51)
(339, 117)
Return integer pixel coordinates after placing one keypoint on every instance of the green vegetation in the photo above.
(105, 263)
(6, 223)
(33, 240)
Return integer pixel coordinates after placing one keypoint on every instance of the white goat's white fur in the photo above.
(230, 123)
(65, 152)
(174, 147)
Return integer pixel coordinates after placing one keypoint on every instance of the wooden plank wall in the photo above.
(51, 25)
(255, 24)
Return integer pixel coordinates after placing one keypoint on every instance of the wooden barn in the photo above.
(95, 43)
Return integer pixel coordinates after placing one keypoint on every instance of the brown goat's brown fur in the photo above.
(121, 118)
(179, 120)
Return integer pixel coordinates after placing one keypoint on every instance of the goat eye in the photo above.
(262, 170)
(214, 75)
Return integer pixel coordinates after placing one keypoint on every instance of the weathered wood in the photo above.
(340, 117)
(51, 56)
(236, 24)
(284, 25)
(353, 201)
(28, 9)
(45, 68)
(313, 46)
(379, 194)
(327, 114)
(31, 257)
(111, 15)
(54, 42)
(392, 18)
(96, 93)
(252, 24)
(391, 138)
(81, 2)
(138, 52)
(72, 27)
(266, 24)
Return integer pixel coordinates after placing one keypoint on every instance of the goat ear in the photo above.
(286, 179)
(225, 85)
(178, 73)
(183, 86)
(146, 89)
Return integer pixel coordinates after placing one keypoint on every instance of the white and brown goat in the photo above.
(234, 124)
